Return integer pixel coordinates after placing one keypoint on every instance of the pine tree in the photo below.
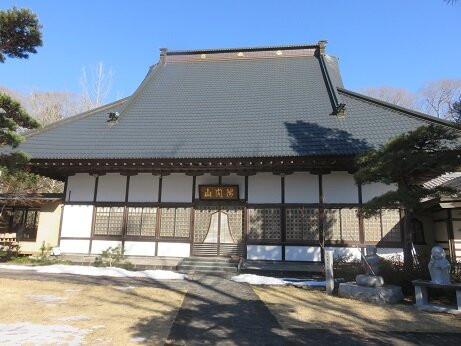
(408, 160)
(20, 33)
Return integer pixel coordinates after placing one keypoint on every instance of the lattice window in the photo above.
(202, 220)
(108, 221)
(350, 225)
(141, 222)
(182, 223)
(175, 222)
(302, 224)
(372, 228)
(391, 225)
(235, 220)
(332, 224)
(264, 224)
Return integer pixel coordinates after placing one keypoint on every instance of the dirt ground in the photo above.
(292, 305)
(88, 314)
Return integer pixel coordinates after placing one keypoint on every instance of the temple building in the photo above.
(228, 152)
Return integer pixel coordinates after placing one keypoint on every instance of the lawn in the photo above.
(294, 307)
(47, 312)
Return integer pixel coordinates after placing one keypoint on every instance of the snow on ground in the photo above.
(71, 318)
(253, 279)
(125, 288)
(46, 298)
(100, 271)
(40, 334)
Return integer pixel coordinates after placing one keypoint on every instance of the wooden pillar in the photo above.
(66, 184)
(95, 196)
(451, 237)
(360, 216)
(125, 212)
(192, 217)
(283, 216)
(321, 218)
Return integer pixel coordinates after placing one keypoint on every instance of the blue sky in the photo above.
(392, 42)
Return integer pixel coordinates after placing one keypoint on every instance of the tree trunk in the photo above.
(407, 239)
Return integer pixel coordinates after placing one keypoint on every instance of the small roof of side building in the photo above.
(284, 101)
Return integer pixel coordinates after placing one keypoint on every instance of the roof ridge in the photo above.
(239, 49)
(406, 111)
(75, 117)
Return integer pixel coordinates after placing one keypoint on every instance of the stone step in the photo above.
(209, 259)
(206, 269)
(208, 264)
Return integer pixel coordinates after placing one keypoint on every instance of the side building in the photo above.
(230, 152)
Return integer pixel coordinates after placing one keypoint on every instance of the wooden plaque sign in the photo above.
(219, 192)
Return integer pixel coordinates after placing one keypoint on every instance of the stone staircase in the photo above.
(207, 265)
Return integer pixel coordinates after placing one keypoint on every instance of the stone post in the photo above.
(329, 277)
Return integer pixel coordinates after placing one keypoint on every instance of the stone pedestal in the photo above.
(387, 294)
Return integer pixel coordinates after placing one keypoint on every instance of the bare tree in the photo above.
(48, 106)
(437, 97)
(96, 85)
(398, 96)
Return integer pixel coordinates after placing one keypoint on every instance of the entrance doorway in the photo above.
(218, 231)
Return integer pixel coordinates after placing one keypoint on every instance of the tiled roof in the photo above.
(267, 105)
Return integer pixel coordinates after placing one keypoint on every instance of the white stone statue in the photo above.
(439, 267)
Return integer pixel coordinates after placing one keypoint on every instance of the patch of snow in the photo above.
(253, 279)
(16, 267)
(310, 283)
(72, 290)
(41, 334)
(124, 288)
(46, 298)
(98, 326)
(100, 271)
(71, 318)
(138, 339)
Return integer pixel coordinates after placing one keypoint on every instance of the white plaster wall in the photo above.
(139, 248)
(264, 188)
(339, 187)
(303, 253)
(74, 246)
(375, 189)
(173, 249)
(177, 187)
(143, 188)
(80, 188)
(350, 252)
(99, 246)
(111, 188)
(206, 179)
(264, 252)
(77, 220)
(391, 253)
(234, 179)
(301, 187)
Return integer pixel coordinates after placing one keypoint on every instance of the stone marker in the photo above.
(329, 277)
